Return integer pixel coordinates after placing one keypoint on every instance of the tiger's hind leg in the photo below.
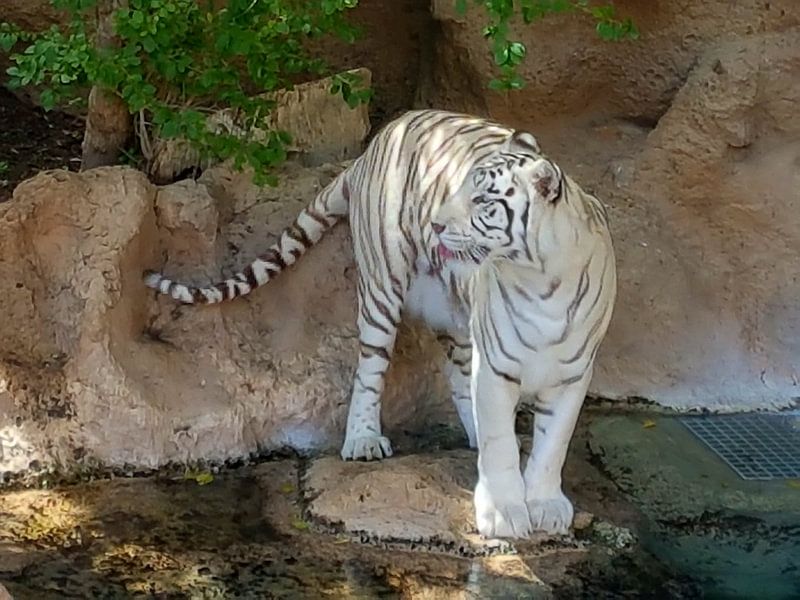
(557, 413)
(378, 318)
(459, 369)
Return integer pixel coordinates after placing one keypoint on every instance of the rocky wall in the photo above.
(690, 135)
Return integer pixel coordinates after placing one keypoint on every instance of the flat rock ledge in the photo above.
(415, 502)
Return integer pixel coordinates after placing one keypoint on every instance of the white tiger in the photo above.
(463, 222)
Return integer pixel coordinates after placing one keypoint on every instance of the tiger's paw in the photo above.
(551, 515)
(502, 514)
(368, 447)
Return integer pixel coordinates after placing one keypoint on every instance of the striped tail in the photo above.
(330, 205)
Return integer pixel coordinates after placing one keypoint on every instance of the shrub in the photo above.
(174, 63)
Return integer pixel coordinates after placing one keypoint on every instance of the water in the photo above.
(739, 539)
(702, 532)
(243, 535)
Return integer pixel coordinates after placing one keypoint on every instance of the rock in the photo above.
(424, 501)
(689, 135)
(14, 558)
(323, 128)
(691, 142)
(582, 520)
(4, 595)
(613, 536)
(95, 372)
(572, 73)
(244, 535)
(708, 312)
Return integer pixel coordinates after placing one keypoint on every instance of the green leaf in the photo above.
(300, 524)
(170, 129)
(149, 44)
(517, 49)
(201, 477)
(501, 56)
(137, 18)
(47, 99)
(7, 41)
(516, 82)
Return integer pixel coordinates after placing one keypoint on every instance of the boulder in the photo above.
(689, 134)
(708, 237)
(95, 371)
(690, 137)
(424, 500)
(571, 72)
(322, 126)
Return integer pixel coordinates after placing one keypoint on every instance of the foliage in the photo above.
(201, 477)
(178, 61)
(508, 53)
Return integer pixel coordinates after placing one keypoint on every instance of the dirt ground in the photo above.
(32, 140)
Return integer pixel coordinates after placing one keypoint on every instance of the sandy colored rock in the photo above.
(322, 126)
(4, 595)
(94, 370)
(571, 72)
(708, 239)
(690, 136)
(423, 499)
(691, 141)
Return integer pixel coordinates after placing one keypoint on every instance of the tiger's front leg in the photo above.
(500, 509)
(557, 413)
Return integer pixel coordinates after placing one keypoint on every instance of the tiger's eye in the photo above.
(478, 177)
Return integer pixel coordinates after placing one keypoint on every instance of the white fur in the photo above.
(428, 300)
(521, 321)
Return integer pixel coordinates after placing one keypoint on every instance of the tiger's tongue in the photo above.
(444, 252)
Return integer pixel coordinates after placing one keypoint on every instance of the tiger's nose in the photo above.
(437, 228)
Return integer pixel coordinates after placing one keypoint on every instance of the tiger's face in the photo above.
(492, 212)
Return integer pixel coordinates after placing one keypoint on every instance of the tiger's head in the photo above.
(499, 200)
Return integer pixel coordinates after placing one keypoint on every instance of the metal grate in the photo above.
(757, 446)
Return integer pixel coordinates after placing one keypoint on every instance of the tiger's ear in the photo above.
(522, 141)
(546, 179)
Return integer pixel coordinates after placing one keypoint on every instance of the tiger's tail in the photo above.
(330, 205)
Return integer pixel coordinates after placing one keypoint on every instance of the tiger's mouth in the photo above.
(445, 253)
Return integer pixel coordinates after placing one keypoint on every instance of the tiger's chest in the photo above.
(438, 298)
